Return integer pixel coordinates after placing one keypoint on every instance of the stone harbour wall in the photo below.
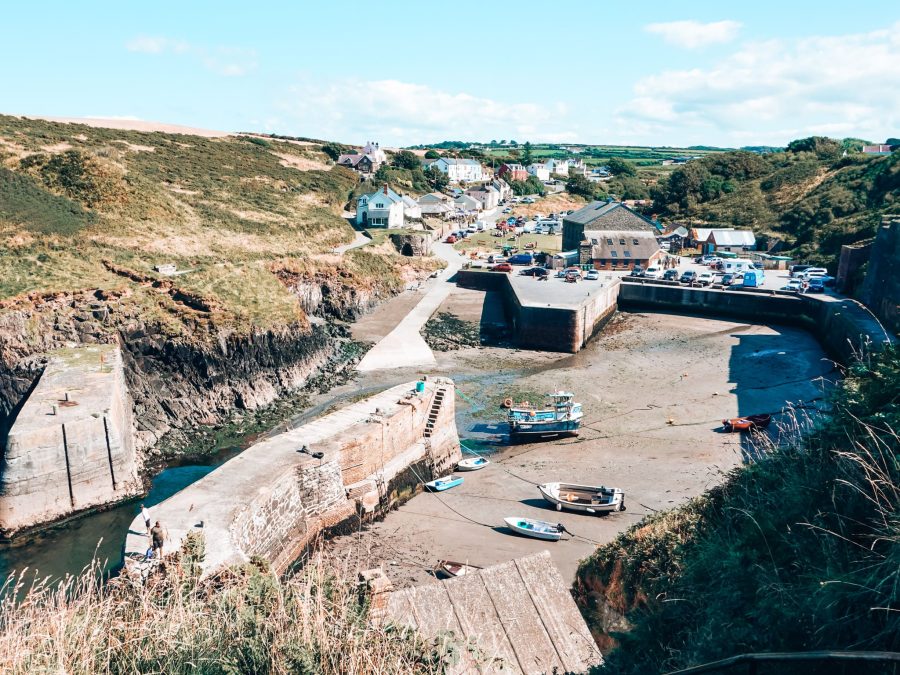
(71, 446)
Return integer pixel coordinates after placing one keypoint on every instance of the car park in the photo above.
(502, 267)
(670, 275)
(592, 275)
(705, 278)
(689, 277)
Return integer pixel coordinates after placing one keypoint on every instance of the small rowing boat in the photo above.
(583, 498)
(455, 569)
(538, 529)
(747, 423)
(472, 464)
(445, 483)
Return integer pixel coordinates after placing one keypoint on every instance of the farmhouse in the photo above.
(619, 249)
(602, 215)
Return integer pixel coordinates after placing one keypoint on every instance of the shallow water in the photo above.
(71, 547)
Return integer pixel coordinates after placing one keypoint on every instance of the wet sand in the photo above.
(655, 388)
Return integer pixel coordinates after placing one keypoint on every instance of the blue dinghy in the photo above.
(445, 483)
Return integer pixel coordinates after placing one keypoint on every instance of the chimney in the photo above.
(385, 189)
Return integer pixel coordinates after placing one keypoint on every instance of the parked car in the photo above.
(796, 270)
(507, 210)
(534, 272)
(705, 278)
(637, 271)
(813, 272)
(652, 273)
(714, 262)
(670, 275)
(688, 277)
(792, 286)
(451, 239)
(815, 285)
(592, 275)
(502, 267)
(728, 279)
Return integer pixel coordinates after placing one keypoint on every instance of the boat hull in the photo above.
(588, 498)
(532, 430)
(444, 483)
(520, 526)
(470, 465)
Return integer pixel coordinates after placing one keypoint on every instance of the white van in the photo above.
(547, 226)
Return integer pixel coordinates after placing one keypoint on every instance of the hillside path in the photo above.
(404, 346)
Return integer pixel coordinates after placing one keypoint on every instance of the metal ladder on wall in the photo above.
(433, 412)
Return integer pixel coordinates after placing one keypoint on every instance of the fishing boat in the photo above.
(538, 529)
(455, 569)
(560, 416)
(747, 423)
(472, 464)
(445, 483)
(583, 498)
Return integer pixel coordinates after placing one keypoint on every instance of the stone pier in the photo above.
(274, 498)
(71, 446)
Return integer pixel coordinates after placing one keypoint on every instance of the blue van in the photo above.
(754, 278)
(521, 259)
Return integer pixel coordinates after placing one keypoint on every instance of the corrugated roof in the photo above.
(520, 615)
(732, 238)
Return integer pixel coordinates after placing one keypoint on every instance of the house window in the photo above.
(627, 254)
(602, 262)
(614, 254)
(594, 242)
(634, 241)
(621, 242)
(608, 241)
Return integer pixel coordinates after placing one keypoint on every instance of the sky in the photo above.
(410, 72)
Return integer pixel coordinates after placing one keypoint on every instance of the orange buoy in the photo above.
(507, 403)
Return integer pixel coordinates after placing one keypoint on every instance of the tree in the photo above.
(432, 154)
(436, 178)
(619, 167)
(526, 154)
(822, 146)
(581, 186)
(333, 150)
(406, 160)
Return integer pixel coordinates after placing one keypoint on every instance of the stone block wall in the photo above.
(71, 446)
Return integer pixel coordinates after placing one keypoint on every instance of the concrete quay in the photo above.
(273, 499)
(71, 446)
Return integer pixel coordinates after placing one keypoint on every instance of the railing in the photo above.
(787, 659)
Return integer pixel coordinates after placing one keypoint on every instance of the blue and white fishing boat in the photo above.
(539, 529)
(560, 416)
(445, 483)
(472, 464)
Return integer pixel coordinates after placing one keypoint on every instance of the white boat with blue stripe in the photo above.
(560, 416)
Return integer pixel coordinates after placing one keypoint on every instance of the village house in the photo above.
(384, 208)
(512, 172)
(619, 250)
(539, 171)
(466, 203)
(367, 161)
(460, 170)
(411, 208)
(502, 187)
(730, 240)
(435, 205)
(603, 215)
(486, 194)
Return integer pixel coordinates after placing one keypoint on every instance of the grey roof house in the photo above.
(602, 215)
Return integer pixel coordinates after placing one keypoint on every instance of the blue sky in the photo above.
(657, 73)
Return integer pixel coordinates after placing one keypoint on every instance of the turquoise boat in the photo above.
(445, 483)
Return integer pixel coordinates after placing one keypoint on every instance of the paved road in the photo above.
(359, 239)
(404, 346)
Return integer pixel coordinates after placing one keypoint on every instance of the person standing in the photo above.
(157, 538)
(146, 515)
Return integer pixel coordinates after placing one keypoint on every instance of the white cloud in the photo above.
(778, 90)
(693, 34)
(405, 113)
(226, 61)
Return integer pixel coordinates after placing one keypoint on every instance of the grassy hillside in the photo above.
(810, 196)
(800, 551)
(85, 208)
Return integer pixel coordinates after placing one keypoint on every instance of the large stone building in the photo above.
(619, 250)
(602, 215)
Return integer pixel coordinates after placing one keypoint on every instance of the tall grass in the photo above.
(800, 551)
(245, 620)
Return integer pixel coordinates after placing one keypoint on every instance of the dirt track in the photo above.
(655, 388)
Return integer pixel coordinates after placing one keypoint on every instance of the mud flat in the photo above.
(655, 388)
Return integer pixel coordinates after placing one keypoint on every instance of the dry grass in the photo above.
(244, 621)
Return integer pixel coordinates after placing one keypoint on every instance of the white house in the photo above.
(502, 187)
(540, 171)
(460, 170)
(411, 208)
(488, 195)
(366, 161)
(435, 204)
(467, 203)
(383, 208)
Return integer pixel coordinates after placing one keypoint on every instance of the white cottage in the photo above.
(539, 171)
(460, 170)
(383, 208)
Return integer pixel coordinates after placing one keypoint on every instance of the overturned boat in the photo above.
(560, 416)
(583, 498)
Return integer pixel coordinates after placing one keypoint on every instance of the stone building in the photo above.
(602, 215)
(619, 250)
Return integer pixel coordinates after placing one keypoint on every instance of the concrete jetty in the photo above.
(275, 497)
(71, 446)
